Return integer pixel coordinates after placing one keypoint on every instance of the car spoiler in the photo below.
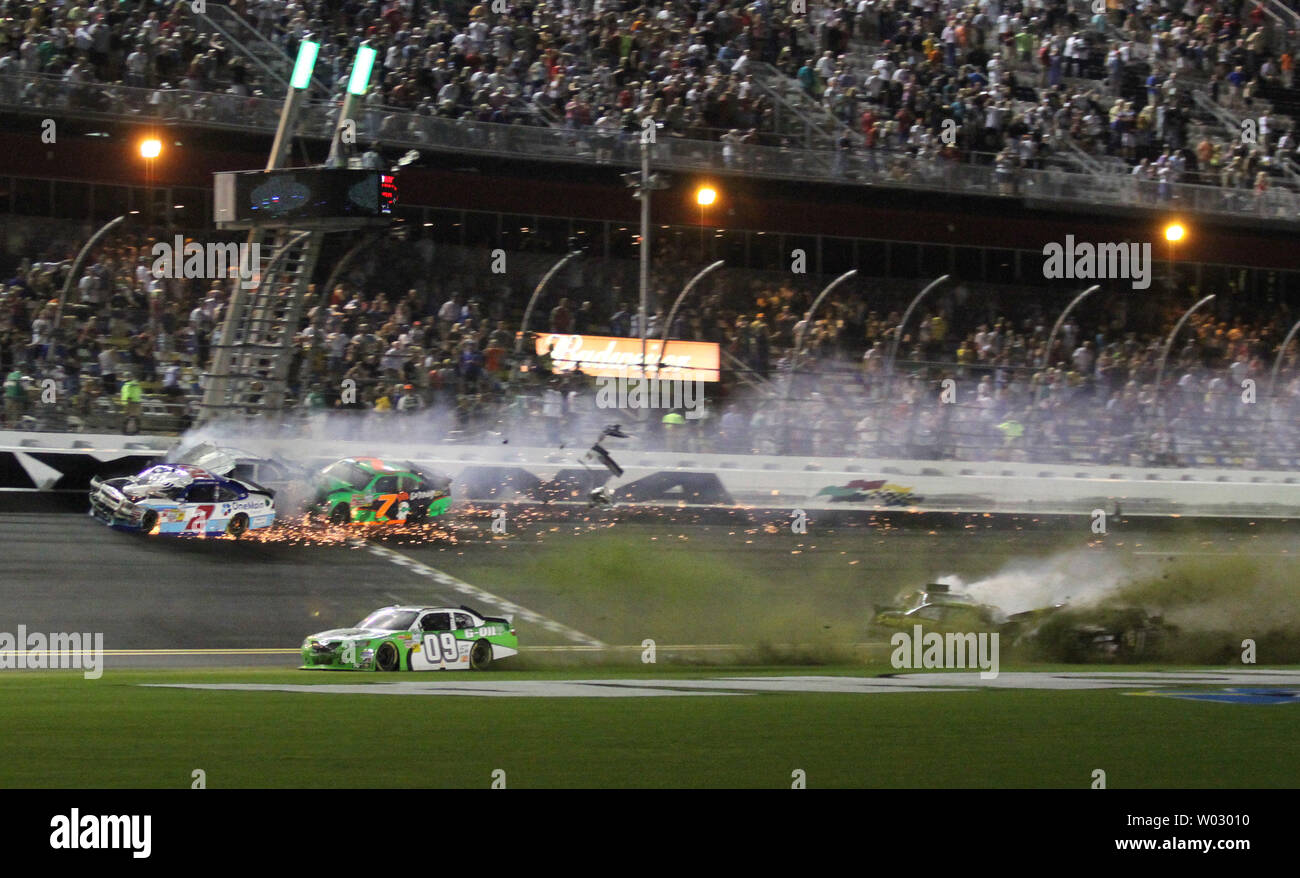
(253, 487)
(486, 618)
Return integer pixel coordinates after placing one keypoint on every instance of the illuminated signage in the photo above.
(621, 357)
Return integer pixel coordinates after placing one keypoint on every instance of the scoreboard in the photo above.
(303, 197)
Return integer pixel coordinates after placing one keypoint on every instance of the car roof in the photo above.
(433, 610)
(373, 463)
(199, 476)
(191, 473)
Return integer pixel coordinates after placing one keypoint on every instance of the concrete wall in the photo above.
(57, 462)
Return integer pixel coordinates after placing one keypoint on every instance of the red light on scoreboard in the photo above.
(387, 193)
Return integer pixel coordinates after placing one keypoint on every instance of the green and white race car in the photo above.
(413, 639)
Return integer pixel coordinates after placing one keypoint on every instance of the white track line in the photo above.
(478, 594)
(1244, 551)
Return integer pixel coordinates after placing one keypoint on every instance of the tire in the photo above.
(149, 522)
(387, 657)
(417, 515)
(237, 526)
(480, 655)
(341, 514)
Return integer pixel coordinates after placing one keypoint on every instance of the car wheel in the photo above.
(387, 658)
(340, 514)
(149, 522)
(237, 525)
(417, 514)
(481, 655)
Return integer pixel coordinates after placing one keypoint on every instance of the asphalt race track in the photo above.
(67, 572)
(168, 602)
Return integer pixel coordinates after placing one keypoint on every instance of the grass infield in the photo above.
(68, 732)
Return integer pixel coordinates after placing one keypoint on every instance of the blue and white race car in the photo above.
(181, 499)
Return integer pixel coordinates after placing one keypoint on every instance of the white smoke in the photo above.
(1080, 578)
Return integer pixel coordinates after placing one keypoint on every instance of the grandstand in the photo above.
(878, 128)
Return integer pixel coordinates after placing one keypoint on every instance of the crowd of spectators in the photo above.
(1005, 84)
(1025, 81)
(973, 378)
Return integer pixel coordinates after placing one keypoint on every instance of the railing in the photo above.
(1234, 126)
(40, 95)
(819, 126)
(243, 39)
(157, 415)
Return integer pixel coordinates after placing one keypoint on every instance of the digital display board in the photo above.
(303, 193)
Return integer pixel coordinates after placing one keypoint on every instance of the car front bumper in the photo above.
(111, 507)
(330, 658)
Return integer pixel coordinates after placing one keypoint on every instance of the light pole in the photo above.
(1169, 343)
(1174, 233)
(57, 329)
(705, 196)
(798, 350)
(803, 330)
(323, 299)
(1060, 321)
(217, 391)
(1281, 352)
(150, 149)
(532, 300)
(642, 185)
(358, 83)
(898, 331)
(1056, 327)
(673, 313)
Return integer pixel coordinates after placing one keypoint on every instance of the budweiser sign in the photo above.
(604, 355)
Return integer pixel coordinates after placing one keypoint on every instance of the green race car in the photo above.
(413, 639)
(366, 490)
(937, 608)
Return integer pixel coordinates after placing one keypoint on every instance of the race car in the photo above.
(368, 490)
(413, 639)
(1057, 632)
(183, 500)
(938, 608)
(290, 482)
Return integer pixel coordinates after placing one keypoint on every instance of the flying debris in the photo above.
(601, 496)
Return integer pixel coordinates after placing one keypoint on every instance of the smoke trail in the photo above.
(1079, 578)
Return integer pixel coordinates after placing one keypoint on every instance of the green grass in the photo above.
(68, 732)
